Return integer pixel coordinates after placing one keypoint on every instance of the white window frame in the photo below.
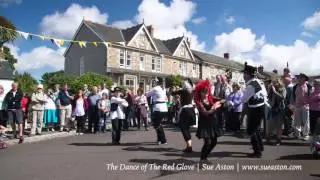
(130, 78)
(142, 64)
(128, 54)
(82, 66)
(183, 68)
(122, 56)
(157, 63)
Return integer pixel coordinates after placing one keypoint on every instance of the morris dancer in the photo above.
(159, 109)
(207, 128)
(187, 115)
(255, 95)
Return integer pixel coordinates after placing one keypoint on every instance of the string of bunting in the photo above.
(57, 41)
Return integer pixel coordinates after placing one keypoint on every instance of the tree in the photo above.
(76, 83)
(27, 83)
(174, 80)
(5, 34)
(9, 57)
(49, 79)
(91, 79)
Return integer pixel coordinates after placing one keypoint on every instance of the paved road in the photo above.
(86, 157)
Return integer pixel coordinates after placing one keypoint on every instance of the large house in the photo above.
(135, 56)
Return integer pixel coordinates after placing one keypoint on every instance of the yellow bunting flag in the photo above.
(82, 44)
(95, 44)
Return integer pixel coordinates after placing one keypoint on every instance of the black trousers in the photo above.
(221, 120)
(209, 144)
(3, 118)
(186, 119)
(116, 130)
(93, 115)
(255, 116)
(314, 115)
(157, 118)
(288, 120)
(233, 122)
(80, 123)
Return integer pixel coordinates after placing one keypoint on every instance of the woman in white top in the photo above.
(50, 111)
(80, 105)
(117, 114)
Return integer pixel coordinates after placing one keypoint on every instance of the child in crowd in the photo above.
(142, 109)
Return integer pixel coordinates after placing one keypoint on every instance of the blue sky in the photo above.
(253, 31)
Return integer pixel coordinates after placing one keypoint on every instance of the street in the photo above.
(93, 157)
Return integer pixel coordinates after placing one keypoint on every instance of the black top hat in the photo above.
(117, 89)
(249, 69)
(159, 80)
(301, 75)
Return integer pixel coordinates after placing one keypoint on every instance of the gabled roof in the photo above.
(130, 32)
(162, 47)
(6, 72)
(107, 33)
(210, 58)
(172, 44)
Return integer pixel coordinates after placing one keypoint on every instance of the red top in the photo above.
(24, 102)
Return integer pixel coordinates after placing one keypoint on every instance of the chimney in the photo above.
(151, 30)
(226, 55)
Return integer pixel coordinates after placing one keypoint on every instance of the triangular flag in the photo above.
(59, 42)
(82, 44)
(52, 41)
(106, 44)
(24, 34)
(56, 42)
(95, 44)
(30, 36)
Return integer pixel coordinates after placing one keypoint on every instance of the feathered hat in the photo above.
(203, 84)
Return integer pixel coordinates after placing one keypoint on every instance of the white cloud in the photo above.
(169, 21)
(312, 22)
(230, 20)
(6, 3)
(38, 58)
(306, 34)
(244, 45)
(199, 20)
(123, 24)
(238, 41)
(64, 24)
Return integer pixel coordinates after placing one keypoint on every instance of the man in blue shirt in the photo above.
(93, 112)
(65, 107)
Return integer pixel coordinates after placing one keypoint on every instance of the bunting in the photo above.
(23, 34)
(57, 41)
(82, 44)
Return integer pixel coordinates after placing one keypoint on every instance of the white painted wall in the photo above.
(6, 85)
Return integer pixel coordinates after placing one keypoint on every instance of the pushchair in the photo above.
(315, 143)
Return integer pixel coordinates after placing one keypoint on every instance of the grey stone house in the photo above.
(135, 56)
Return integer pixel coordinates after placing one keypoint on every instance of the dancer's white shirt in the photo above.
(119, 113)
(158, 95)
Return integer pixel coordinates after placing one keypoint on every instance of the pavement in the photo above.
(138, 157)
